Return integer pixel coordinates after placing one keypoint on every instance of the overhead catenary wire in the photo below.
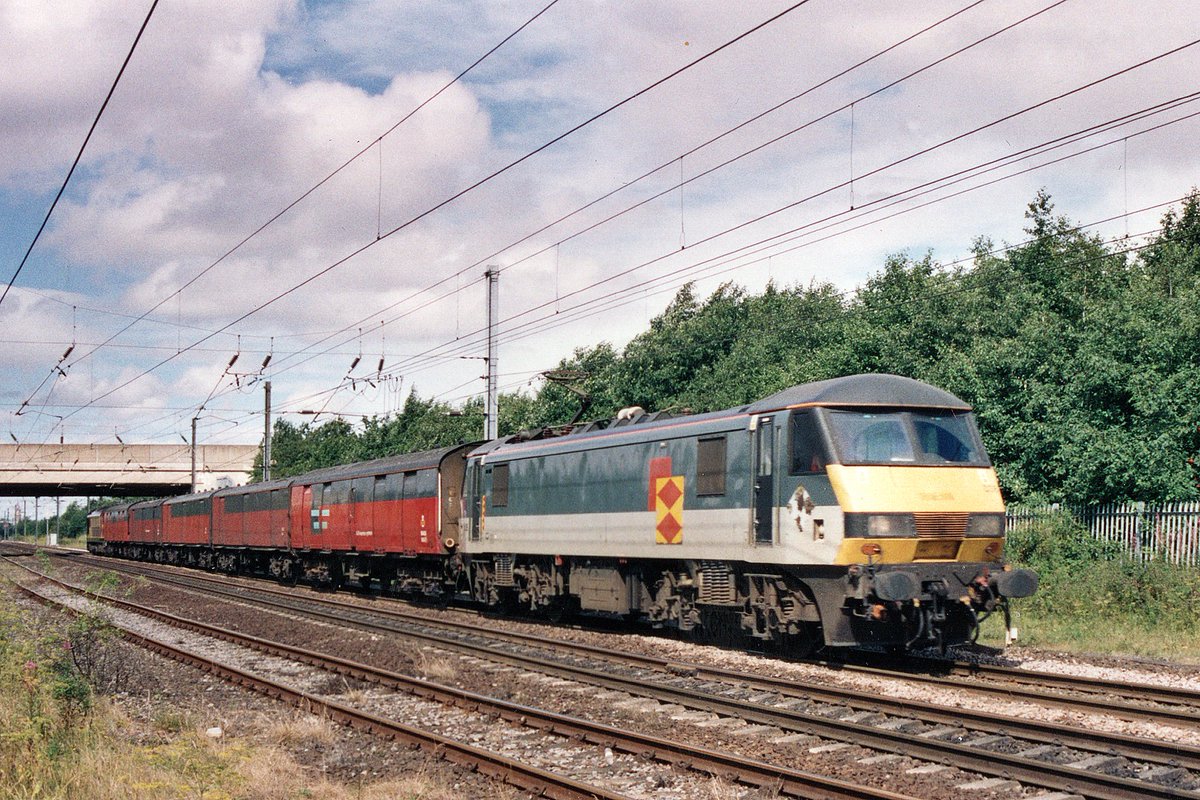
(947, 291)
(460, 193)
(210, 334)
(456, 196)
(513, 335)
(746, 122)
(623, 187)
(643, 202)
(816, 225)
(712, 237)
(885, 87)
(845, 296)
(308, 192)
(79, 156)
(691, 151)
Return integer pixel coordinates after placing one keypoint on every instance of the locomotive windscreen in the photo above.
(906, 437)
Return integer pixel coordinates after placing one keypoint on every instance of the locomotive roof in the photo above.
(861, 390)
(853, 390)
(400, 463)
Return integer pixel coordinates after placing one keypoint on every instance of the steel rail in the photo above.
(967, 669)
(966, 756)
(729, 766)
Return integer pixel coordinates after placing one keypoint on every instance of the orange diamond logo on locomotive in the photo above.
(668, 530)
(668, 510)
(669, 492)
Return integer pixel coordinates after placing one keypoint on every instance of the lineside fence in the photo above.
(1145, 531)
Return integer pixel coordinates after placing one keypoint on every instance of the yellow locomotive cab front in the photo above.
(902, 514)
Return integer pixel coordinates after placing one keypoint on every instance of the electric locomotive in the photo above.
(856, 510)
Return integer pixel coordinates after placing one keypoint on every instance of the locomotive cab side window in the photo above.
(710, 466)
(809, 456)
(500, 485)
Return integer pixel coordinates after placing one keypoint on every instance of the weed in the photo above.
(434, 666)
(303, 731)
(102, 582)
(171, 721)
(92, 644)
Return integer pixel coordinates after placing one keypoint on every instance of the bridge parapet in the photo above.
(116, 469)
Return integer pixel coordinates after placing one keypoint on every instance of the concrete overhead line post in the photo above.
(491, 427)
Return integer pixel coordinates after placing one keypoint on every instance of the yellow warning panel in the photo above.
(668, 510)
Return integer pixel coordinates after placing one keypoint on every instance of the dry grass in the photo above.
(302, 731)
(194, 765)
(172, 720)
(434, 666)
(355, 697)
(718, 789)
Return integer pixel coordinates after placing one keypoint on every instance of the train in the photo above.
(852, 512)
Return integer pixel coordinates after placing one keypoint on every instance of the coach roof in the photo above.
(861, 390)
(380, 466)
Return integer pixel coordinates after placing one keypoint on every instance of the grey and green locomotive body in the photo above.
(852, 511)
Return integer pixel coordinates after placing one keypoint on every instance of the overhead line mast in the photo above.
(491, 428)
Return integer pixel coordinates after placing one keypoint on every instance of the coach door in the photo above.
(362, 513)
(764, 481)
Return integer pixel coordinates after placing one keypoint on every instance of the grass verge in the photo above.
(1092, 598)
(62, 738)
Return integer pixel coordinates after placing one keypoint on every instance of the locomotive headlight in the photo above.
(985, 525)
(890, 525)
(883, 525)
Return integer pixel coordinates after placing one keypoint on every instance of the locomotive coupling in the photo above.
(1015, 582)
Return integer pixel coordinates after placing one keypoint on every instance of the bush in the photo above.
(1092, 595)
(1058, 542)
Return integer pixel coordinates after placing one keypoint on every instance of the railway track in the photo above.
(1130, 701)
(757, 775)
(1038, 754)
(1124, 700)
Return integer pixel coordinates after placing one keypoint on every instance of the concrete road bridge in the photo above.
(120, 470)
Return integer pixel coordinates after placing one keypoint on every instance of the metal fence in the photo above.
(1167, 530)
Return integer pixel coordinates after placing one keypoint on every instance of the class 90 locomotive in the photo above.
(853, 511)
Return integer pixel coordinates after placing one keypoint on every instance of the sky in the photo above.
(308, 181)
